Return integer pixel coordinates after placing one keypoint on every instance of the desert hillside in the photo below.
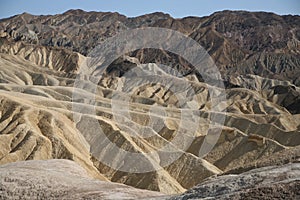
(43, 115)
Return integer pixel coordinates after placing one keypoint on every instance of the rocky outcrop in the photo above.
(58, 59)
(61, 179)
(64, 179)
(279, 182)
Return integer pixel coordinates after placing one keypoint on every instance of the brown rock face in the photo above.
(256, 53)
(240, 43)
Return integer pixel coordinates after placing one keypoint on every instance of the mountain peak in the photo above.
(75, 11)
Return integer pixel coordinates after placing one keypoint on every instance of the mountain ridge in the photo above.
(276, 37)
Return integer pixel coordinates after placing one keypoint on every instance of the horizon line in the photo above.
(153, 12)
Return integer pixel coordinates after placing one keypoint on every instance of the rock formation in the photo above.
(264, 183)
(256, 53)
(60, 179)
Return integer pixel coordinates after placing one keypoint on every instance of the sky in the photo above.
(131, 8)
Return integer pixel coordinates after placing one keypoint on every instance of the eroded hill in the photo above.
(256, 53)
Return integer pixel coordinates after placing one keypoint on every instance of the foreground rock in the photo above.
(276, 182)
(64, 179)
(60, 179)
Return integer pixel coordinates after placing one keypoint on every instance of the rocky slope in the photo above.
(240, 42)
(264, 183)
(256, 53)
(64, 179)
(60, 179)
